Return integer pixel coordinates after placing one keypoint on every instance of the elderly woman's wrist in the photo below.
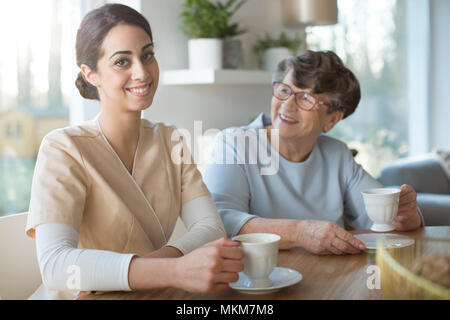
(300, 233)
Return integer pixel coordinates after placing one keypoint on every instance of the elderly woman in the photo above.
(317, 182)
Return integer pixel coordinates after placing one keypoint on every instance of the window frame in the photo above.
(419, 76)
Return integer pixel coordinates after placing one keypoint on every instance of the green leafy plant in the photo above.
(283, 40)
(206, 19)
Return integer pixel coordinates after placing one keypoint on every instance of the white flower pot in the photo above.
(205, 53)
(273, 56)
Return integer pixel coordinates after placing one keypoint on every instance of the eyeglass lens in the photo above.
(303, 99)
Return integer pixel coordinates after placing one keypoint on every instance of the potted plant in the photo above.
(209, 29)
(273, 50)
(232, 47)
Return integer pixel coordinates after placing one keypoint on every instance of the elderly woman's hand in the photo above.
(323, 237)
(407, 217)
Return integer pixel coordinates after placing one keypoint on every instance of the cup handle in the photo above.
(240, 243)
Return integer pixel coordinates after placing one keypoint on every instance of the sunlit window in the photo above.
(36, 83)
(371, 39)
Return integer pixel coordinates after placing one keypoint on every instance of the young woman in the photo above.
(106, 195)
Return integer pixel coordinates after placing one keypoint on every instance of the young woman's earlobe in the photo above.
(89, 75)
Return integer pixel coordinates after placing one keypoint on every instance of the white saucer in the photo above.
(281, 278)
(392, 240)
(382, 227)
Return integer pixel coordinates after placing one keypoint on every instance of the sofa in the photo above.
(428, 177)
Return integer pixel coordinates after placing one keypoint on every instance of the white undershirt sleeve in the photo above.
(203, 223)
(64, 267)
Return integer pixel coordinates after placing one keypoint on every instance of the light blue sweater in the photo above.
(326, 186)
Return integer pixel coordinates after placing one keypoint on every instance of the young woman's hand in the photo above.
(209, 268)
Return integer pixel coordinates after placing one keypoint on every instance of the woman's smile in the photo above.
(140, 91)
(287, 120)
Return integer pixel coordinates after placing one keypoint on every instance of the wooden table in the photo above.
(324, 277)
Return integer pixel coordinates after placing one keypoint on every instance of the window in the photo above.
(36, 83)
(371, 40)
(18, 130)
(8, 131)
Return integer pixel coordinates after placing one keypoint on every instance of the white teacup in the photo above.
(260, 257)
(382, 207)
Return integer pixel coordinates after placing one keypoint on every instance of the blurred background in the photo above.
(398, 49)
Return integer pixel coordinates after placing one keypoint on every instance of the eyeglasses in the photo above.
(304, 100)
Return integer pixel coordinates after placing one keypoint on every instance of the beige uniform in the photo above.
(79, 180)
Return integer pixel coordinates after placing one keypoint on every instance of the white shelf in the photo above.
(211, 76)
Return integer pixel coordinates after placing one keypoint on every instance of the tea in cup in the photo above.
(260, 257)
(382, 207)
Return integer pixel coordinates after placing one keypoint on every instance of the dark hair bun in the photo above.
(86, 89)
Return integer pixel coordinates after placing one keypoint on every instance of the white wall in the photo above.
(440, 73)
(217, 106)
